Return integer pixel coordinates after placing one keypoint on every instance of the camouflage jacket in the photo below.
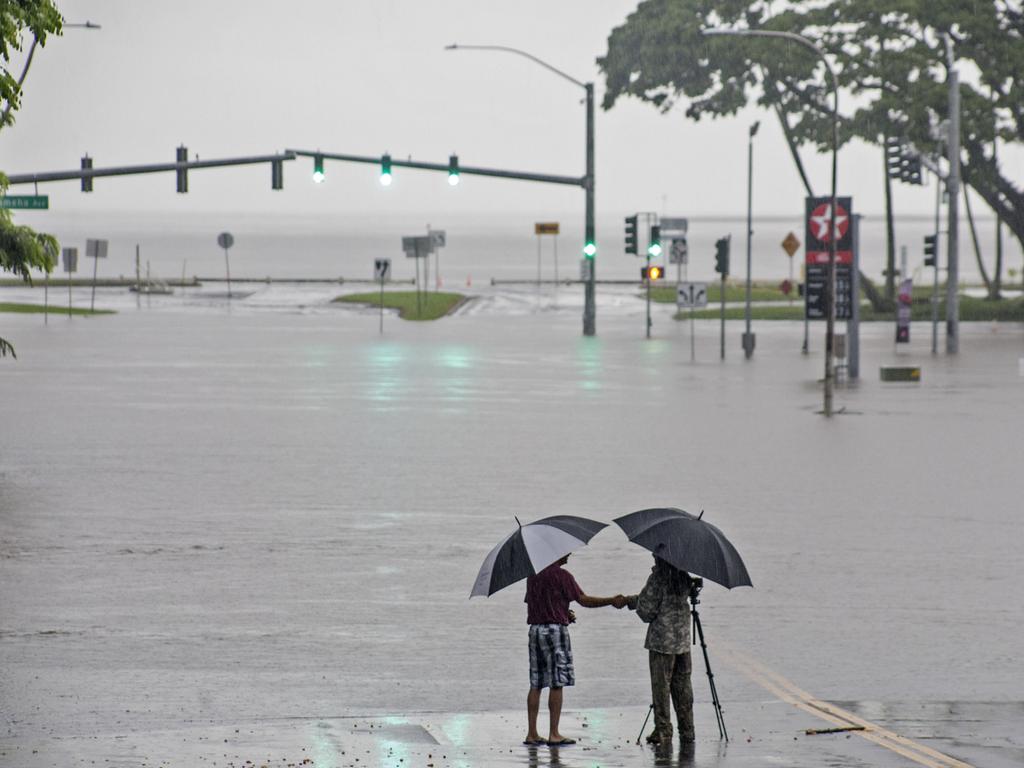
(667, 615)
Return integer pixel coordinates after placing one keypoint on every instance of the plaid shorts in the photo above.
(550, 656)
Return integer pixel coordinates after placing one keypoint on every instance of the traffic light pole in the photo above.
(722, 354)
(952, 219)
(589, 310)
(647, 279)
(935, 268)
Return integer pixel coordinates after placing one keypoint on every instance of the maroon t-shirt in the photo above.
(548, 595)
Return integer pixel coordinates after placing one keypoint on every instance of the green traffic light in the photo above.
(318, 168)
(654, 249)
(589, 250)
(453, 170)
(385, 170)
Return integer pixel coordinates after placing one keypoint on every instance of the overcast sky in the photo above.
(233, 77)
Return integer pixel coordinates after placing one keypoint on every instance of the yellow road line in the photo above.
(790, 693)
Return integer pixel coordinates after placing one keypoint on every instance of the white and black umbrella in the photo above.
(532, 548)
(688, 542)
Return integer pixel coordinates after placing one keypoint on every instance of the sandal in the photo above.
(561, 742)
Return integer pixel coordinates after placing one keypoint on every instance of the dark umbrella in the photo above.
(689, 543)
(531, 549)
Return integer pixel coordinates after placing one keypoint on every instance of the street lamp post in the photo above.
(589, 243)
(748, 338)
(830, 292)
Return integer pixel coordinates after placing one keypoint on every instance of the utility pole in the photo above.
(953, 190)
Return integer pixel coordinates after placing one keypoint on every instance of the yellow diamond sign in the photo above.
(790, 244)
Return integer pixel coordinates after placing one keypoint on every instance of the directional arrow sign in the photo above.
(692, 295)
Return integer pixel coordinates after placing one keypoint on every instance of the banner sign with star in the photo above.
(817, 239)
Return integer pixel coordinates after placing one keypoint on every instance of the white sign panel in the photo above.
(692, 295)
(438, 238)
(381, 269)
(678, 250)
(70, 258)
(674, 226)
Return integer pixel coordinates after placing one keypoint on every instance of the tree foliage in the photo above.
(890, 57)
(21, 248)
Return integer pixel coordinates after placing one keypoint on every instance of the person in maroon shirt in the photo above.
(548, 595)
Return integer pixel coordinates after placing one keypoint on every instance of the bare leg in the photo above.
(532, 707)
(555, 713)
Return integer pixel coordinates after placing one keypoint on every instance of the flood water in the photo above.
(241, 514)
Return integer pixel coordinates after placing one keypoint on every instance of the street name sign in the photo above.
(691, 295)
(26, 202)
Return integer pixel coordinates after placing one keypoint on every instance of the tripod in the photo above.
(699, 632)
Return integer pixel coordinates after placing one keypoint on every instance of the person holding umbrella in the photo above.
(548, 595)
(662, 605)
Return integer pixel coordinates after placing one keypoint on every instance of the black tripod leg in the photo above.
(651, 709)
(722, 733)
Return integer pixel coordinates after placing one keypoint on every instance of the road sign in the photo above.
(903, 311)
(545, 228)
(70, 258)
(586, 269)
(438, 238)
(382, 269)
(26, 202)
(691, 295)
(675, 226)
(225, 240)
(678, 250)
(417, 247)
(96, 249)
(818, 239)
(791, 244)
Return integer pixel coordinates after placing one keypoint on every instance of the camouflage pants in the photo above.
(670, 678)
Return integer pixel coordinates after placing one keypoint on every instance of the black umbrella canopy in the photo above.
(532, 548)
(688, 542)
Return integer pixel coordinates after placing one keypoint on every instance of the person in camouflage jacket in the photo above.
(662, 605)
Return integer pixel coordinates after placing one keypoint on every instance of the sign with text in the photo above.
(818, 238)
(26, 202)
(545, 228)
(678, 251)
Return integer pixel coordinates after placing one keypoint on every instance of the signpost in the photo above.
(692, 296)
(225, 240)
(540, 229)
(418, 247)
(69, 256)
(26, 202)
(790, 244)
(438, 240)
(96, 250)
(382, 272)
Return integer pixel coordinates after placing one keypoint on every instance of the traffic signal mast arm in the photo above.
(129, 170)
(575, 181)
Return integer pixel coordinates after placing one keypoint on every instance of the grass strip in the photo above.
(430, 306)
(971, 310)
(54, 309)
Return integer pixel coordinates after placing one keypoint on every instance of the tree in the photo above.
(890, 58)
(21, 248)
